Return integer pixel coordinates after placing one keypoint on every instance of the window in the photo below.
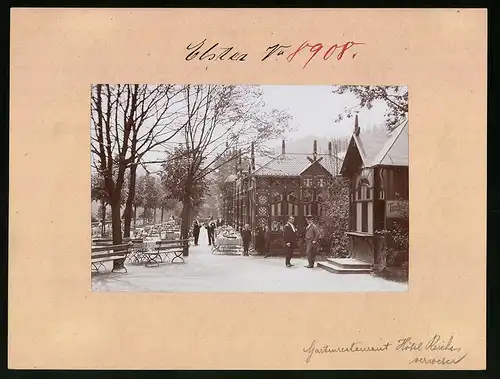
(319, 196)
(321, 182)
(363, 207)
(308, 182)
(398, 184)
(277, 196)
(363, 192)
(307, 196)
(293, 209)
(276, 209)
(308, 209)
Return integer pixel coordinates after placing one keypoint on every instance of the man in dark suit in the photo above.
(313, 234)
(290, 238)
(211, 232)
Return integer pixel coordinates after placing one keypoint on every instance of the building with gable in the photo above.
(290, 184)
(377, 167)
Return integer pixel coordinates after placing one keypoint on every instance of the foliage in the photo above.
(395, 99)
(397, 239)
(177, 180)
(335, 217)
(152, 192)
(146, 214)
(97, 188)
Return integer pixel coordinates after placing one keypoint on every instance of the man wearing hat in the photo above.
(290, 238)
(312, 236)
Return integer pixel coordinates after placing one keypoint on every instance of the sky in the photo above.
(315, 108)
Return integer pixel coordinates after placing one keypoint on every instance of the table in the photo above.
(228, 242)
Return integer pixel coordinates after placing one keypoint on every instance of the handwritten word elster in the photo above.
(215, 52)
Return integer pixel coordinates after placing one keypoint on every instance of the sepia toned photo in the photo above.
(249, 188)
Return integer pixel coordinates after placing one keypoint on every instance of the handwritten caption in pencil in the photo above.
(433, 351)
(305, 52)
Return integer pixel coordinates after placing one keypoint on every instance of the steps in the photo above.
(345, 266)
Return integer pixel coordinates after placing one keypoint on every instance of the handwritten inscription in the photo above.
(436, 344)
(354, 347)
(307, 51)
(214, 52)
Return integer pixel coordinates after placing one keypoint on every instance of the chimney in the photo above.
(283, 147)
(330, 148)
(356, 126)
(253, 156)
(315, 149)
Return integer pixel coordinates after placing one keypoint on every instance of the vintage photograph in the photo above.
(249, 188)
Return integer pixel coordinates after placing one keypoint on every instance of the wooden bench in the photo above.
(164, 249)
(102, 241)
(107, 253)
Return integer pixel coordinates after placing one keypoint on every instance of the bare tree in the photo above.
(156, 123)
(218, 119)
(127, 122)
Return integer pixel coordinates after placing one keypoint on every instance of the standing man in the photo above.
(210, 226)
(196, 232)
(290, 237)
(312, 236)
(246, 236)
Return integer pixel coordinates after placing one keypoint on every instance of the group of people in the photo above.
(263, 238)
(290, 237)
(210, 226)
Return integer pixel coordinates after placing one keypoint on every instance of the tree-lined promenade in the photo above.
(161, 146)
(193, 126)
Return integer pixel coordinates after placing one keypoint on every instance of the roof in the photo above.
(291, 164)
(395, 150)
(370, 143)
(378, 147)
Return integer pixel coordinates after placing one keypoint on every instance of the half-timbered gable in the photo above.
(288, 185)
(376, 164)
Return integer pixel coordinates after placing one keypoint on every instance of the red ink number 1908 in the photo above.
(316, 48)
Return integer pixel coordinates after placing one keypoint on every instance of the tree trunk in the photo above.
(161, 217)
(117, 232)
(135, 215)
(103, 212)
(186, 210)
(144, 218)
(127, 213)
(154, 216)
